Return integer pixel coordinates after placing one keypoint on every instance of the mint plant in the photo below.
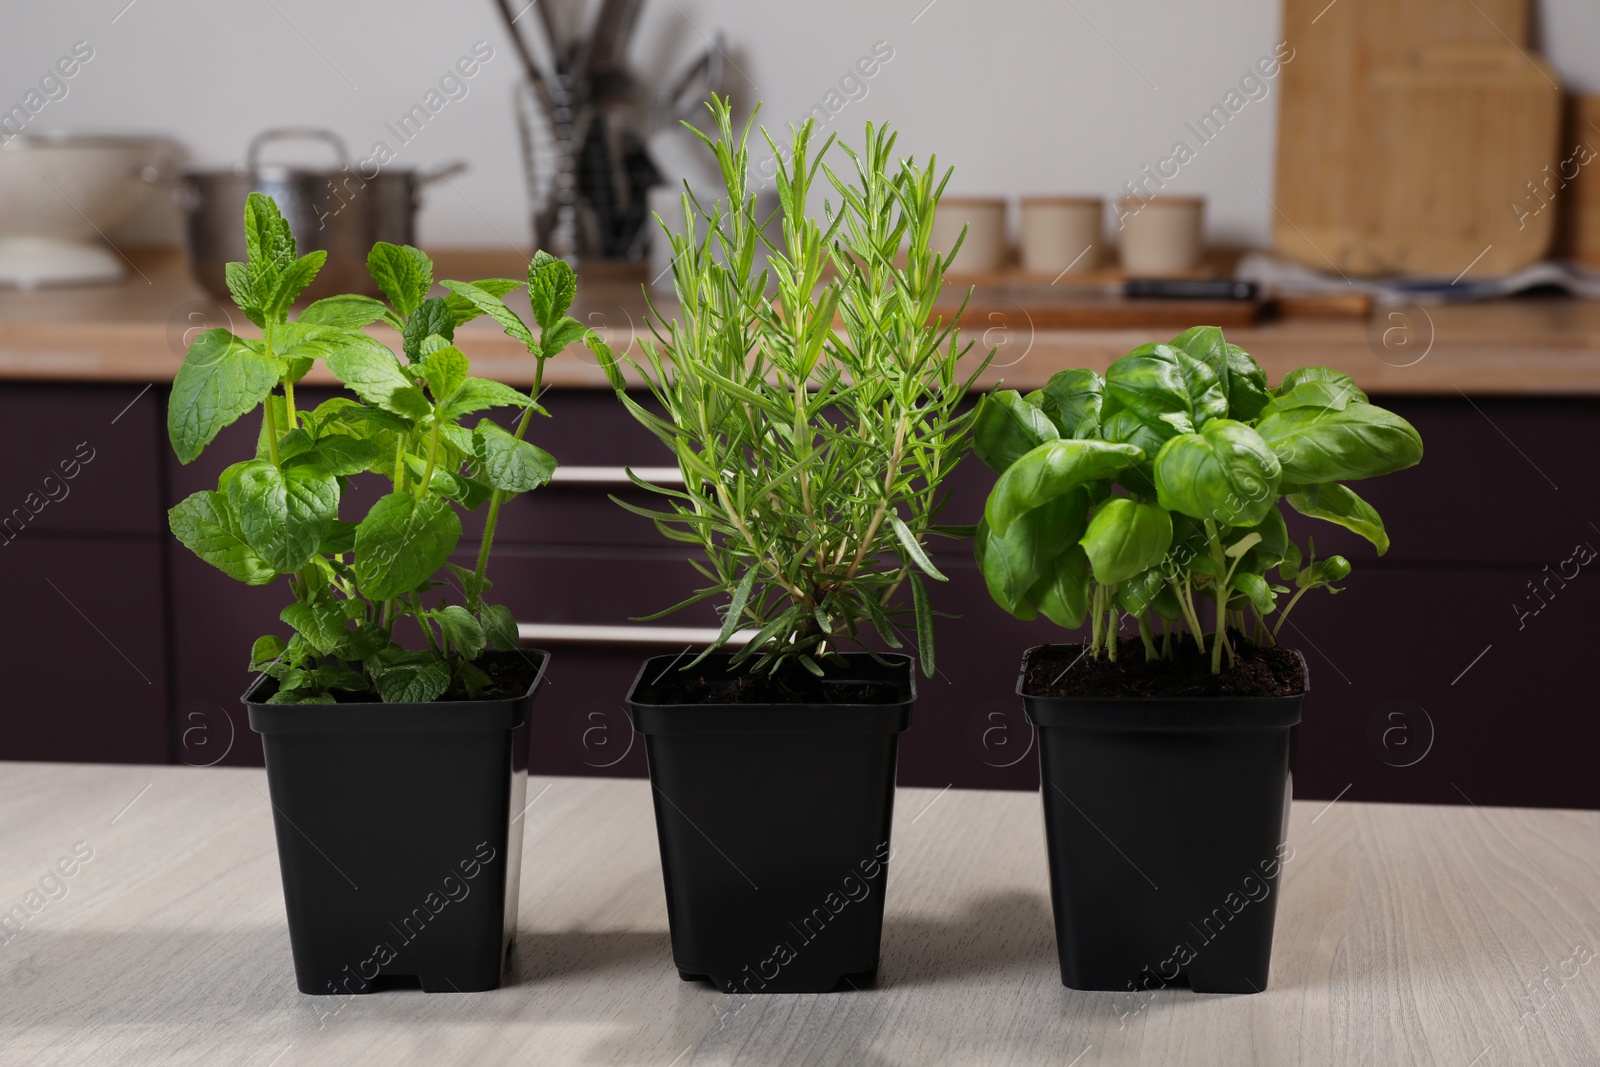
(1155, 490)
(277, 513)
(813, 459)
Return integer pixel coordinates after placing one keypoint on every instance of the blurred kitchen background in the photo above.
(1403, 191)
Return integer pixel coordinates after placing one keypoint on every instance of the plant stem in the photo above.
(433, 458)
(475, 594)
(288, 404)
(272, 432)
(1150, 653)
(1094, 623)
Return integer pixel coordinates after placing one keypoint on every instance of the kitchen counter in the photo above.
(135, 332)
(1449, 935)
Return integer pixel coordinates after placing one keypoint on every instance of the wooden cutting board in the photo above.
(1405, 130)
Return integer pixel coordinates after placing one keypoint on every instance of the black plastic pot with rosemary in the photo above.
(394, 712)
(1151, 495)
(813, 464)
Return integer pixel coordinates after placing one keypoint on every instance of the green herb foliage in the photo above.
(1154, 491)
(278, 513)
(813, 456)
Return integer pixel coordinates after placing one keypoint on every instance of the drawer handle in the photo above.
(616, 475)
(541, 633)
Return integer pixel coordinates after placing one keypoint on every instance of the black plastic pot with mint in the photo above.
(1145, 503)
(394, 701)
(813, 464)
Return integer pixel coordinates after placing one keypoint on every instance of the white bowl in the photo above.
(59, 195)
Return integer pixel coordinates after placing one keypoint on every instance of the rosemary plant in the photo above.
(811, 398)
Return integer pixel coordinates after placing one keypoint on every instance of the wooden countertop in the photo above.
(135, 332)
(1405, 935)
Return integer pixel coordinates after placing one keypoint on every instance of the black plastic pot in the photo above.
(1165, 822)
(399, 837)
(774, 828)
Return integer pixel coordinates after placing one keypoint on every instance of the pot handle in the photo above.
(252, 155)
(443, 172)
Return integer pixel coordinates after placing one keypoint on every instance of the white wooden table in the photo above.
(1406, 935)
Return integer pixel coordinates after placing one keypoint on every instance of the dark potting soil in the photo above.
(1260, 671)
(510, 674)
(790, 685)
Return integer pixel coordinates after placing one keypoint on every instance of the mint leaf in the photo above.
(551, 287)
(402, 542)
(266, 649)
(446, 369)
(284, 512)
(222, 378)
(499, 626)
(336, 453)
(322, 624)
(404, 273)
(433, 317)
(340, 538)
(565, 331)
(292, 282)
(465, 310)
(373, 374)
(461, 630)
(496, 309)
(367, 641)
(267, 239)
(348, 312)
(242, 285)
(509, 464)
(476, 394)
(414, 683)
(207, 527)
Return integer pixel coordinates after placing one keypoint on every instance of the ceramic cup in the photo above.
(984, 249)
(1061, 234)
(1161, 236)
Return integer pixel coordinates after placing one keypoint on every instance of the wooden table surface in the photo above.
(137, 331)
(1406, 935)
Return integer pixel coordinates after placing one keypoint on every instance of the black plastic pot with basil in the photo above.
(1150, 497)
(394, 712)
(813, 465)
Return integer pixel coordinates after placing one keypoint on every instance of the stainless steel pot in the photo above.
(340, 210)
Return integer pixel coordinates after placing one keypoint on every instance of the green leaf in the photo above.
(350, 311)
(1243, 545)
(207, 526)
(461, 630)
(1072, 397)
(499, 627)
(1296, 378)
(1049, 471)
(1225, 473)
(432, 319)
(496, 309)
(267, 238)
(913, 549)
(322, 624)
(551, 287)
(337, 453)
(1332, 396)
(372, 373)
(564, 332)
(465, 310)
(247, 291)
(266, 649)
(404, 273)
(1062, 596)
(1247, 385)
(1006, 427)
(1137, 594)
(1258, 590)
(924, 615)
(222, 378)
(1274, 544)
(413, 683)
(1015, 564)
(734, 614)
(1316, 445)
(445, 369)
(1338, 504)
(1125, 537)
(292, 281)
(1166, 385)
(508, 464)
(284, 513)
(477, 394)
(364, 642)
(402, 542)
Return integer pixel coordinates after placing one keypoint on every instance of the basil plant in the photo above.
(276, 514)
(1154, 492)
(812, 399)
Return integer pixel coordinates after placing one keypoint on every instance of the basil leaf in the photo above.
(1016, 563)
(1247, 385)
(222, 378)
(1049, 471)
(1318, 445)
(1071, 397)
(1163, 384)
(1125, 537)
(208, 527)
(402, 542)
(1226, 473)
(1338, 504)
(1062, 595)
(1006, 427)
(1296, 378)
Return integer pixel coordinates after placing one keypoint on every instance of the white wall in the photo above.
(1025, 96)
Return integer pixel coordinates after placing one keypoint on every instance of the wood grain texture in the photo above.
(1405, 935)
(134, 332)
